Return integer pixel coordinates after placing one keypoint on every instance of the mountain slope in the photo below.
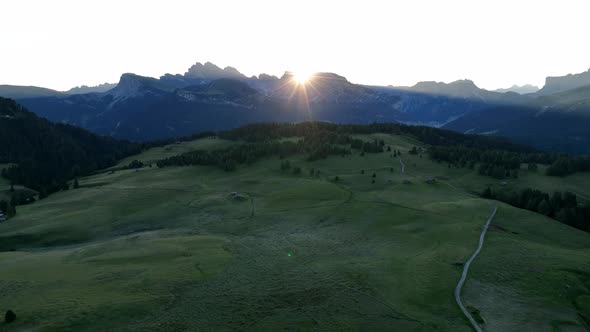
(547, 129)
(19, 92)
(557, 122)
(558, 84)
(576, 100)
(524, 89)
(45, 154)
(90, 89)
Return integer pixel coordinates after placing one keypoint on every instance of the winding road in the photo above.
(403, 166)
(466, 270)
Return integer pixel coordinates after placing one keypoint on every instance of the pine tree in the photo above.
(487, 193)
(544, 208)
(76, 183)
(9, 317)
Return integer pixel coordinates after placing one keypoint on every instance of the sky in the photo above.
(497, 43)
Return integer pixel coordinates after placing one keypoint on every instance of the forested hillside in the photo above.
(46, 155)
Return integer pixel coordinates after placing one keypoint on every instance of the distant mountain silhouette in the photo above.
(572, 101)
(557, 122)
(558, 84)
(89, 89)
(207, 97)
(209, 71)
(520, 89)
(18, 92)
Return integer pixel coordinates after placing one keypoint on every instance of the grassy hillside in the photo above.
(171, 249)
(152, 155)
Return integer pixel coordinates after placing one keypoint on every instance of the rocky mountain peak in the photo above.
(210, 71)
(558, 84)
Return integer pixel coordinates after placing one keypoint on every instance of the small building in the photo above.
(407, 182)
(2, 217)
(503, 183)
(430, 180)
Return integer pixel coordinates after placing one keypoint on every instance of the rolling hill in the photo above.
(346, 242)
(20, 92)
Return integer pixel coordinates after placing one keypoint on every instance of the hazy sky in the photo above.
(497, 43)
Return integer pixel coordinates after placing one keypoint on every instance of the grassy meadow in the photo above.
(172, 250)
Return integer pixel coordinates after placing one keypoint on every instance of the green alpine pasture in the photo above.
(152, 155)
(260, 249)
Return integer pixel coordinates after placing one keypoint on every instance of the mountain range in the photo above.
(520, 89)
(19, 92)
(207, 97)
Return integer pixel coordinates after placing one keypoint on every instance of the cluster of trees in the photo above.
(8, 208)
(285, 165)
(432, 136)
(496, 163)
(229, 158)
(44, 156)
(563, 207)
(497, 171)
(498, 157)
(135, 164)
(566, 165)
(376, 146)
(320, 140)
(499, 154)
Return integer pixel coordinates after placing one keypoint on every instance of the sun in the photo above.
(302, 77)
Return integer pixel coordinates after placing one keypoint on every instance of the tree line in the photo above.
(228, 159)
(561, 206)
(494, 156)
(44, 156)
(317, 140)
(565, 165)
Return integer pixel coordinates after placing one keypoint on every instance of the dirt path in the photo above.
(466, 270)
